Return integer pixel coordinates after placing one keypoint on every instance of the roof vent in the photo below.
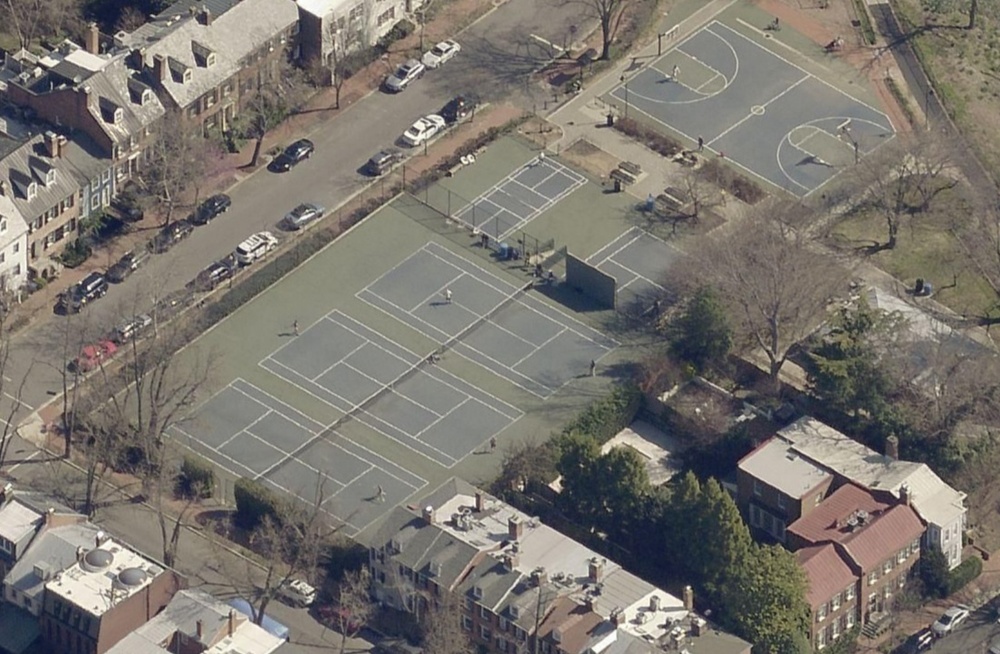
(132, 577)
(97, 560)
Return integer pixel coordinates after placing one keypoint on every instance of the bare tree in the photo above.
(279, 89)
(902, 179)
(130, 19)
(776, 286)
(10, 392)
(32, 19)
(176, 161)
(355, 606)
(441, 627)
(973, 13)
(609, 14)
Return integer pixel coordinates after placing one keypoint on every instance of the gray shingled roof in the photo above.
(238, 32)
(83, 158)
(495, 582)
(56, 549)
(20, 168)
(117, 87)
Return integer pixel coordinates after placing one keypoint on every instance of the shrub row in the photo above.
(867, 30)
(609, 415)
(254, 502)
(968, 570)
(196, 479)
(651, 138)
(725, 177)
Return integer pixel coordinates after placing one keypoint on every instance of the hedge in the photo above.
(197, 477)
(609, 415)
(254, 502)
(969, 569)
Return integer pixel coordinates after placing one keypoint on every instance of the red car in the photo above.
(94, 355)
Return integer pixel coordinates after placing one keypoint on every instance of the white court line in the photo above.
(751, 114)
(538, 347)
(612, 244)
(439, 293)
(545, 41)
(611, 256)
(342, 359)
(24, 460)
(19, 402)
(475, 317)
(679, 48)
(267, 412)
(441, 417)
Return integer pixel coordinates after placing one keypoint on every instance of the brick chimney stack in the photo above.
(92, 44)
(514, 528)
(892, 447)
(480, 501)
(205, 16)
(200, 629)
(428, 514)
(160, 68)
(689, 598)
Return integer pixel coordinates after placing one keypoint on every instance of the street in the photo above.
(499, 53)
(972, 637)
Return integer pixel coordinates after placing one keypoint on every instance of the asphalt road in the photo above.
(499, 53)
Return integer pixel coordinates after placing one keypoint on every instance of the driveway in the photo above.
(499, 53)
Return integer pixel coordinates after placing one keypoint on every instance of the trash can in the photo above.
(618, 186)
(611, 119)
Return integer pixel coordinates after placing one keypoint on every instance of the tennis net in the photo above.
(431, 358)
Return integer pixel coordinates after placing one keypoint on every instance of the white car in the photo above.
(297, 592)
(951, 618)
(255, 247)
(440, 53)
(422, 130)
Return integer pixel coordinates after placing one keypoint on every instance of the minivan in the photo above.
(383, 161)
(92, 287)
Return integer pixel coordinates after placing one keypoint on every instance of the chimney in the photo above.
(595, 569)
(49, 515)
(618, 617)
(892, 447)
(540, 576)
(3, 191)
(689, 598)
(93, 39)
(654, 603)
(698, 627)
(510, 561)
(514, 528)
(8, 489)
(428, 514)
(53, 147)
(99, 538)
(199, 629)
(906, 495)
(480, 501)
(232, 621)
(591, 603)
(160, 68)
(79, 554)
(205, 16)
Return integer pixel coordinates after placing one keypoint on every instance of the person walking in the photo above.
(493, 443)
(593, 367)
(379, 493)
(295, 327)
(675, 75)
(447, 296)
(701, 143)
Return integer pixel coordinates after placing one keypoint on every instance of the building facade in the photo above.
(13, 247)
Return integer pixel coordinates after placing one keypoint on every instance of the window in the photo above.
(835, 630)
(901, 556)
(850, 619)
(901, 581)
(872, 578)
(466, 623)
(468, 604)
(501, 644)
(887, 567)
(782, 502)
(3, 225)
(757, 490)
(503, 624)
(17, 247)
(484, 632)
(821, 639)
(872, 598)
(835, 602)
(6, 545)
(887, 591)
(484, 613)
(821, 613)
(32, 190)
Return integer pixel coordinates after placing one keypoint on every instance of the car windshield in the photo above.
(438, 50)
(946, 619)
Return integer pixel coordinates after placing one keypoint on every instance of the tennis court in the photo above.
(518, 198)
(488, 320)
(639, 263)
(392, 390)
(250, 433)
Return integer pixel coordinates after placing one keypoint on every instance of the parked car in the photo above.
(255, 247)
(128, 210)
(918, 642)
(297, 592)
(293, 155)
(126, 265)
(458, 108)
(213, 275)
(951, 618)
(131, 328)
(404, 75)
(170, 236)
(994, 646)
(440, 53)
(421, 131)
(210, 209)
(383, 161)
(92, 287)
(302, 215)
(92, 356)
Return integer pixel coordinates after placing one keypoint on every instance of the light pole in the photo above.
(850, 137)
(659, 43)
(927, 106)
(624, 80)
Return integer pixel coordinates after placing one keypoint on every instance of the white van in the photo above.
(255, 247)
(297, 592)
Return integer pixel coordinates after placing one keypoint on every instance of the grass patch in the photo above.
(901, 99)
(867, 29)
(926, 250)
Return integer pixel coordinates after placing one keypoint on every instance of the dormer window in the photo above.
(187, 75)
(147, 96)
(203, 55)
(119, 116)
(32, 191)
(50, 178)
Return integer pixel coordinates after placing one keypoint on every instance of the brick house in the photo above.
(84, 91)
(106, 594)
(878, 541)
(205, 60)
(525, 587)
(776, 486)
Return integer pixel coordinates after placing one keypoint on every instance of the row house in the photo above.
(524, 587)
(208, 66)
(13, 247)
(346, 25)
(941, 507)
(88, 93)
(852, 532)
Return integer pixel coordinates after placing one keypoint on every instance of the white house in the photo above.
(13, 246)
(349, 23)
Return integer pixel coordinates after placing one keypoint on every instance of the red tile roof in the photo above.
(826, 571)
(869, 530)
